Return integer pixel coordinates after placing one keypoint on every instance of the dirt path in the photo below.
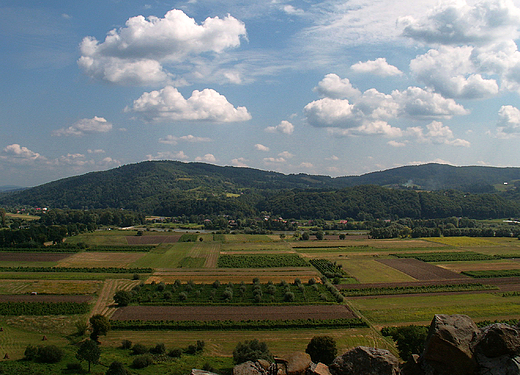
(105, 303)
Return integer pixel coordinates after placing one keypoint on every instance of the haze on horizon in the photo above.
(329, 87)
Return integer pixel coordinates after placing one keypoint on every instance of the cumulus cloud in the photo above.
(286, 155)
(139, 52)
(209, 158)
(96, 151)
(451, 72)
(239, 162)
(436, 133)
(173, 140)
(168, 104)
(17, 153)
(85, 126)
(260, 147)
(306, 165)
(332, 86)
(377, 67)
(455, 23)
(284, 127)
(275, 160)
(396, 144)
(380, 128)
(165, 155)
(289, 9)
(420, 103)
(508, 125)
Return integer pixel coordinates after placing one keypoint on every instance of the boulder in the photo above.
(365, 361)
(201, 372)
(318, 369)
(448, 347)
(298, 363)
(499, 339)
(249, 368)
(503, 365)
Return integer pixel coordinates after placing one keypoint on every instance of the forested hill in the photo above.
(172, 188)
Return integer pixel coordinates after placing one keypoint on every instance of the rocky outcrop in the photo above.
(249, 368)
(298, 363)
(366, 361)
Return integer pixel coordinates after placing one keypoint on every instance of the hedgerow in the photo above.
(138, 325)
(328, 268)
(491, 273)
(415, 289)
(261, 261)
(446, 256)
(43, 308)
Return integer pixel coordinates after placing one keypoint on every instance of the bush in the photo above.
(409, 339)
(126, 344)
(322, 349)
(139, 349)
(200, 345)
(191, 349)
(117, 368)
(81, 327)
(251, 351)
(142, 361)
(49, 354)
(158, 349)
(175, 353)
(30, 352)
(74, 366)
(122, 297)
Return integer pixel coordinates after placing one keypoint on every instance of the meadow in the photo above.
(391, 282)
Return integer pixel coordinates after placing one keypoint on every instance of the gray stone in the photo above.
(503, 365)
(318, 369)
(365, 361)
(298, 363)
(499, 339)
(249, 368)
(448, 348)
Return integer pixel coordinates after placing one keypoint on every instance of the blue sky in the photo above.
(321, 87)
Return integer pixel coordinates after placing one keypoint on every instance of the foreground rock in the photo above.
(365, 361)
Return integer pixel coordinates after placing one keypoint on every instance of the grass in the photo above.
(169, 256)
(370, 271)
(460, 241)
(190, 262)
(49, 287)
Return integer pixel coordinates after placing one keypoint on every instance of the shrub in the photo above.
(409, 339)
(175, 353)
(81, 327)
(139, 349)
(208, 367)
(288, 297)
(191, 349)
(183, 296)
(116, 368)
(322, 349)
(158, 349)
(49, 354)
(74, 366)
(251, 351)
(100, 326)
(126, 344)
(122, 297)
(31, 352)
(200, 345)
(142, 361)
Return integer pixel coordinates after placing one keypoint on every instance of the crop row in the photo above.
(39, 250)
(261, 261)
(446, 256)
(43, 308)
(136, 325)
(415, 289)
(491, 273)
(235, 294)
(77, 269)
(327, 268)
(126, 249)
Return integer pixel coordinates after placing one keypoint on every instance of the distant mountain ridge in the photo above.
(165, 187)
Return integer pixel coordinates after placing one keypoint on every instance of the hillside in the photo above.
(175, 188)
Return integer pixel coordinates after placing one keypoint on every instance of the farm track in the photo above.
(105, 302)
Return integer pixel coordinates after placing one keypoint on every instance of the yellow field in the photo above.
(460, 241)
(49, 286)
(100, 259)
(367, 270)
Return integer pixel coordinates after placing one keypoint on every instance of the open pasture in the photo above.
(100, 259)
(79, 287)
(247, 238)
(233, 313)
(420, 270)
(420, 309)
(369, 270)
(460, 241)
(152, 239)
(165, 256)
(208, 252)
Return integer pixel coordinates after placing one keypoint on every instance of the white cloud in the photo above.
(85, 126)
(96, 151)
(289, 9)
(140, 52)
(451, 72)
(209, 158)
(374, 128)
(419, 103)
(508, 125)
(275, 160)
(306, 165)
(239, 162)
(459, 23)
(377, 67)
(166, 155)
(168, 104)
(333, 158)
(286, 155)
(436, 133)
(284, 127)
(173, 140)
(332, 86)
(396, 144)
(17, 153)
(260, 147)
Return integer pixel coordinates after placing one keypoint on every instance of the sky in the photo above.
(323, 87)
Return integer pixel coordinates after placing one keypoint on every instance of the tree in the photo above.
(100, 325)
(409, 339)
(322, 349)
(49, 354)
(122, 297)
(251, 351)
(116, 368)
(89, 351)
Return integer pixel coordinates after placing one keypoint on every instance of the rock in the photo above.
(498, 340)
(263, 363)
(298, 363)
(318, 369)
(412, 367)
(448, 348)
(365, 361)
(201, 372)
(249, 368)
(503, 365)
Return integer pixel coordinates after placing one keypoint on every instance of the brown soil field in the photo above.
(421, 270)
(235, 313)
(33, 257)
(44, 298)
(101, 259)
(152, 240)
(481, 266)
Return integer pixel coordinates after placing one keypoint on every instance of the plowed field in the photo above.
(421, 270)
(234, 313)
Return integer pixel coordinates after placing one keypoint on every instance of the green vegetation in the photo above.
(43, 308)
(416, 289)
(251, 351)
(492, 273)
(409, 339)
(328, 269)
(446, 256)
(322, 349)
(77, 269)
(261, 261)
